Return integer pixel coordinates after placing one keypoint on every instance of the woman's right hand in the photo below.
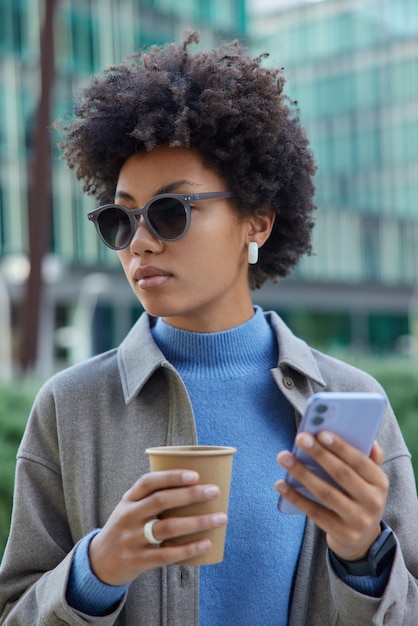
(120, 552)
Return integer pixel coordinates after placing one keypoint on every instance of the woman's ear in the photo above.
(260, 227)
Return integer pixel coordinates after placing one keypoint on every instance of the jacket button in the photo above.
(288, 382)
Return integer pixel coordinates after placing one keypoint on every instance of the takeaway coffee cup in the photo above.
(214, 466)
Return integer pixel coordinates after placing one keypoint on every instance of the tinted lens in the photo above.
(168, 217)
(115, 227)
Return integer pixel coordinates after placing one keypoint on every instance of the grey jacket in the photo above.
(84, 447)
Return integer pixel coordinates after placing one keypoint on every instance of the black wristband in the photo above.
(380, 554)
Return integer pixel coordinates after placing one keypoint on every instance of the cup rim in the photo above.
(191, 450)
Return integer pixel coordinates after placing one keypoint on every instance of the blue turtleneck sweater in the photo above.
(237, 403)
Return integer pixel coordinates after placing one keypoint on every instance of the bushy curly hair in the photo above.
(222, 103)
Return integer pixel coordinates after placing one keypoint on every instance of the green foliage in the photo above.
(399, 377)
(15, 402)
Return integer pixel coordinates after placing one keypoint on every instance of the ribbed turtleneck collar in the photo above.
(225, 355)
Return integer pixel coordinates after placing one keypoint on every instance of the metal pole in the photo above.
(5, 332)
(39, 213)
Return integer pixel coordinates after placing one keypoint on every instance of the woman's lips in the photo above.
(149, 276)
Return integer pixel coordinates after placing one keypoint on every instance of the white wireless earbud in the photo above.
(252, 253)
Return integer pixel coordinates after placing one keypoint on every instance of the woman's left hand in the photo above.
(350, 518)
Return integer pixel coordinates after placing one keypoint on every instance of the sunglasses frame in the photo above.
(132, 214)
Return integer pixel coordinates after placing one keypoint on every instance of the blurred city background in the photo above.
(352, 66)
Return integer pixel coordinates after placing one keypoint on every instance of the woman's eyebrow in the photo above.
(169, 188)
(123, 195)
(174, 186)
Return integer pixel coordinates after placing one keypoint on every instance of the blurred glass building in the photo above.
(352, 67)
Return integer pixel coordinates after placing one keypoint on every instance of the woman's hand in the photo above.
(120, 552)
(350, 519)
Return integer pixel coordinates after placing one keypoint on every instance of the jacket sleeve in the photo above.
(37, 561)
(398, 605)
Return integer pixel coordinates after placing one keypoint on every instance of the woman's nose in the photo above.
(143, 240)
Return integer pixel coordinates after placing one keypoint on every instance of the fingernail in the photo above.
(286, 459)
(282, 487)
(211, 491)
(326, 438)
(190, 477)
(204, 545)
(219, 519)
(305, 440)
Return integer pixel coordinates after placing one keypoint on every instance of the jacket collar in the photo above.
(294, 352)
(139, 357)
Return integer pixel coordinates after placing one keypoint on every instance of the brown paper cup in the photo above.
(214, 466)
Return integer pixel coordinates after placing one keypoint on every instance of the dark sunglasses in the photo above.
(166, 216)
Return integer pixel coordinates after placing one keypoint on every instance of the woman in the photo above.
(204, 177)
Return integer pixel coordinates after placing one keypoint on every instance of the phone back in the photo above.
(353, 416)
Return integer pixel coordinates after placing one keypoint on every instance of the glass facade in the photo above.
(352, 66)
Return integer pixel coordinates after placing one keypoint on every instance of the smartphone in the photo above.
(353, 416)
